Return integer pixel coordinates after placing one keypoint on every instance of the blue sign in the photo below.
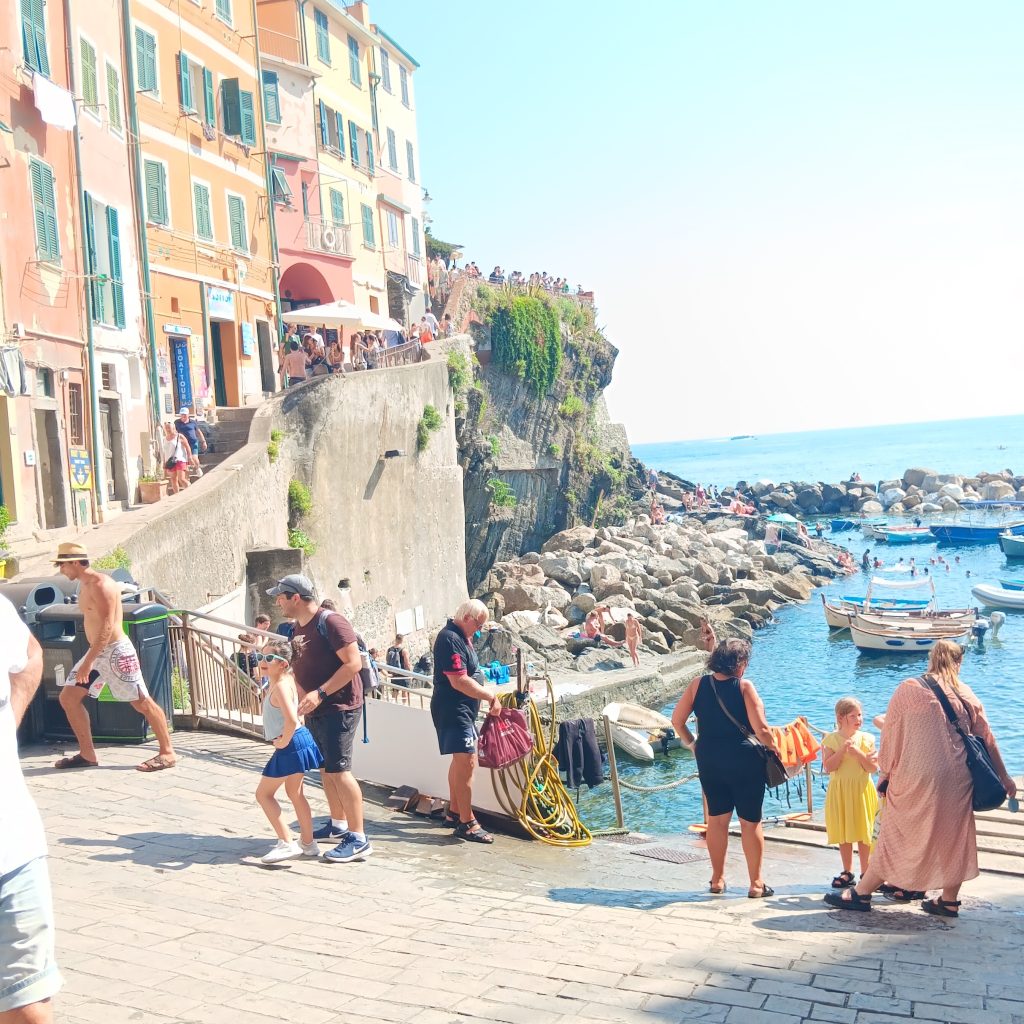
(182, 371)
(248, 344)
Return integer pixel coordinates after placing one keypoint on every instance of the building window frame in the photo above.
(146, 85)
(153, 161)
(280, 190)
(385, 69)
(410, 160)
(394, 235)
(403, 77)
(76, 414)
(199, 183)
(44, 209)
(392, 140)
(355, 73)
(242, 249)
(115, 122)
(270, 82)
(322, 35)
(90, 104)
(222, 11)
(369, 236)
(34, 39)
(415, 247)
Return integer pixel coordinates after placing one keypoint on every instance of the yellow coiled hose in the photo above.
(531, 790)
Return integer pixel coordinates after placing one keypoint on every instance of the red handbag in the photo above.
(504, 739)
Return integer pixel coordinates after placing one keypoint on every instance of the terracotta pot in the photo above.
(151, 491)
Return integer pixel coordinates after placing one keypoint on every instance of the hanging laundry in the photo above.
(578, 754)
(796, 744)
(55, 105)
(13, 373)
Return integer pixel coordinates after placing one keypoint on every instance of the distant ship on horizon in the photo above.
(743, 437)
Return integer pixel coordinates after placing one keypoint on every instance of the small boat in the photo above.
(954, 619)
(893, 603)
(907, 535)
(999, 597)
(1011, 583)
(842, 525)
(965, 533)
(639, 731)
(1013, 547)
(906, 642)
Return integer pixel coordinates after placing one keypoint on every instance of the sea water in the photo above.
(799, 666)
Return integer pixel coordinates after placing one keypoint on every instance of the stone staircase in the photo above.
(229, 435)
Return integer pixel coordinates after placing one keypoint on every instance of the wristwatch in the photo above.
(321, 693)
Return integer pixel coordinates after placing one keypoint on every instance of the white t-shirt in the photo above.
(21, 828)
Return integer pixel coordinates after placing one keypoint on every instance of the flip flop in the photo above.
(75, 762)
(155, 764)
(766, 890)
(716, 890)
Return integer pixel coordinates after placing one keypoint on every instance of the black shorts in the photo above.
(732, 777)
(334, 732)
(456, 731)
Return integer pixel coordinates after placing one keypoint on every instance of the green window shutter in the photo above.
(44, 206)
(337, 207)
(208, 97)
(271, 98)
(236, 218)
(385, 69)
(368, 236)
(279, 186)
(145, 60)
(305, 199)
(90, 80)
(415, 237)
(323, 36)
(353, 142)
(230, 106)
(116, 283)
(392, 150)
(95, 288)
(223, 9)
(156, 192)
(339, 123)
(324, 138)
(247, 106)
(404, 75)
(353, 61)
(411, 160)
(204, 221)
(185, 83)
(113, 98)
(33, 36)
(369, 153)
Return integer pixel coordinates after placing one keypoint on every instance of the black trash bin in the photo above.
(61, 635)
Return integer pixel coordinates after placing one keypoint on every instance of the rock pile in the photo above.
(670, 576)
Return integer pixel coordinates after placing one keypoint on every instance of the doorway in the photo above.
(114, 475)
(51, 477)
(268, 379)
(219, 388)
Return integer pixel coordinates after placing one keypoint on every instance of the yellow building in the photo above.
(203, 195)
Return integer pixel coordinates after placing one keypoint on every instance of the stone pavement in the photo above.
(163, 915)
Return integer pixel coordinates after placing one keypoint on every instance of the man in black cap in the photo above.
(327, 673)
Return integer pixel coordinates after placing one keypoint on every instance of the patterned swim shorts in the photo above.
(116, 667)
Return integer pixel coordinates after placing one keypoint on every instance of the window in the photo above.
(202, 209)
(305, 199)
(145, 62)
(353, 61)
(280, 189)
(223, 10)
(90, 79)
(209, 103)
(44, 207)
(155, 175)
(415, 237)
(370, 160)
(353, 142)
(44, 383)
(33, 36)
(385, 69)
(332, 129)
(108, 376)
(403, 76)
(323, 36)
(392, 221)
(113, 98)
(76, 422)
(337, 207)
(368, 238)
(238, 111)
(236, 223)
(392, 150)
(410, 159)
(271, 98)
(190, 84)
(103, 263)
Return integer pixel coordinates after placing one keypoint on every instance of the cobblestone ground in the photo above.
(164, 915)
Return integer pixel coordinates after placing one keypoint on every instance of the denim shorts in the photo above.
(28, 969)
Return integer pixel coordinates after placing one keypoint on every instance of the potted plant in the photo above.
(5, 522)
(151, 488)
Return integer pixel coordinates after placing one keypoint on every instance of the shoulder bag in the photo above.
(988, 789)
(775, 773)
(505, 738)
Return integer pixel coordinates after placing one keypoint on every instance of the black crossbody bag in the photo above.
(775, 773)
(988, 789)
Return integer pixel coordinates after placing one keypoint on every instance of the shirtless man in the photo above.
(111, 660)
(634, 634)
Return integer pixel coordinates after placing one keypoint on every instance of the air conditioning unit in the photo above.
(18, 329)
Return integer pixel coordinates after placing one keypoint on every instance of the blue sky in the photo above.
(794, 215)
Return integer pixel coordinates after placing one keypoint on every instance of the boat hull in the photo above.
(923, 536)
(1013, 547)
(959, 533)
(896, 643)
(997, 597)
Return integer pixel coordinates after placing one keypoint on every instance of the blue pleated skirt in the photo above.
(301, 755)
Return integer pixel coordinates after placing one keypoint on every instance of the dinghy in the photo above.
(1013, 547)
(639, 731)
(998, 597)
(905, 642)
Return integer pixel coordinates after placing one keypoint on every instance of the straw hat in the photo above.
(71, 552)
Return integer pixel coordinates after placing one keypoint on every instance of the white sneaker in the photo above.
(281, 852)
(310, 850)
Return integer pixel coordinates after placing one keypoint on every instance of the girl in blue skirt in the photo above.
(295, 753)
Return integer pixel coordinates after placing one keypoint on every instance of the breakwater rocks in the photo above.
(670, 576)
(919, 491)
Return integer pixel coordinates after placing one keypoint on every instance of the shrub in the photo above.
(502, 495)
(422, 436)
(495, 444)
(554, 450)
(432, 418)
(274, 445)
(526, 340)
(298, 539)
(5, 522)
(459, 374)
(571, 407)
(117, 559)
(300, 501)
(179, 691)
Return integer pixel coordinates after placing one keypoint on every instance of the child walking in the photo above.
(851, 803)
(295, 753)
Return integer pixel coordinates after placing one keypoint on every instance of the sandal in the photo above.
(472, 832)
(766, 890)
(716, 890)
(75, 762)
(451, 820)
(155, 764)
(843, 880)
(898, 894)
(850, 900)
(940, 907)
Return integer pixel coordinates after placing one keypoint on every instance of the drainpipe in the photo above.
(99, 484)
(140, 201)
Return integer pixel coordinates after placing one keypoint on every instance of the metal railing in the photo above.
(325, 235)
(280, 45)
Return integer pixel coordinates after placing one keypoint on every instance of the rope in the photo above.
(657, 789)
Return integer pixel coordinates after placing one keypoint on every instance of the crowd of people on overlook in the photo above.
(441, 278)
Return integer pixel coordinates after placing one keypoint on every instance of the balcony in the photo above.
(413, 270)
(324, 235)
(280, 45)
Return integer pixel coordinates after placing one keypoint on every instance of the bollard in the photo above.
(809, 779)
(613, 771)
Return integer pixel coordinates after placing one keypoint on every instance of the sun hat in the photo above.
(69, 551)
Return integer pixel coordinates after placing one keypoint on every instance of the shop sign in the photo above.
(177, 329)
(182, 372)
(248, 343)
(220, 303)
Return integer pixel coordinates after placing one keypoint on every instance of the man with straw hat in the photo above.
(111, 661)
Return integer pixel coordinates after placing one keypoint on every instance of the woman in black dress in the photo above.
(730, 766)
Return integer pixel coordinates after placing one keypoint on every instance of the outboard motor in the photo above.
(979, 629)
(996, 619)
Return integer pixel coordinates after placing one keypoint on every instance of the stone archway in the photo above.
(304, 285)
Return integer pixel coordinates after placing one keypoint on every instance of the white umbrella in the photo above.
(380, 322)
(340, 313)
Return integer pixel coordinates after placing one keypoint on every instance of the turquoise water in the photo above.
(799, 666)
(877, 453)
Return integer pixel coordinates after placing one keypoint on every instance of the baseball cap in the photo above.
(183, 410)
(291, 585)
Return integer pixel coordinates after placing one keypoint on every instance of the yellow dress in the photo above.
(851, 802)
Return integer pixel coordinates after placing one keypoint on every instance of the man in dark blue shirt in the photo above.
(454, 705)
(189, 429)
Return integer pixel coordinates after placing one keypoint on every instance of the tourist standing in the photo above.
(294, 365)
(187, 426)
(454, 705)
(634, 636)
(730, 717)
(175, 453)
(398, 657)
(928, 840)
(327, 672)
(110, 663)
(28, 968)
(851, 804)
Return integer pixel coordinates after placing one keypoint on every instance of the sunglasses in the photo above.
(270, 657)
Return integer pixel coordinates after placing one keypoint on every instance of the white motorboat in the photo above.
(639, 731)
(999, 597)
(904, 642)
(1013, 547)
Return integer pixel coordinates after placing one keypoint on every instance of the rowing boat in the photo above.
(906, 642)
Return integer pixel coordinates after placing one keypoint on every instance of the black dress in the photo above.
(731, 769)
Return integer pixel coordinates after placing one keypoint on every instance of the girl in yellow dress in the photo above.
(851, 803)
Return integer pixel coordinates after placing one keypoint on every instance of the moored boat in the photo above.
(907, 535)
(930, 621)
(998, 597)
(639, 731)
(966, 533)
(905, 642)
(1011, 583)
(1013, 547)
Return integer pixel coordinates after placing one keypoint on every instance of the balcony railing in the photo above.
(413, 270)
(280, 45)
(324, 235)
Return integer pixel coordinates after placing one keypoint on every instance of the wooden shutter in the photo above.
(33, 35)
(271, 98)
(116, 283)
(145, 59)
(392, 150)
(224, 9)
(404, 75)
(230, 106)
(45, 211)
(369, 153)
(156, 192)
(236, 217)
(247, 111)
(208, 97)
(339, 123)
(411, 160)
(95, 288)
(90, 80)
(353, 142)
(113, 98)
(324, 138)
(185, 83)
(204, 221)
(323, 36)
(337, 207)
(415, 237)
(368, 237)
(353, 61)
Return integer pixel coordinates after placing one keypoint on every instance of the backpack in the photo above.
(424, 666)
(368, 673)
(394, 657)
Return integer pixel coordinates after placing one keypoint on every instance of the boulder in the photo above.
(954, 491)
(793, 587)
(530, 558)
(917, 476)
(928, 508)
(656, 644)
(781, 499)
(519, 597)
(552, 618)
(574, 539)
(869, 506)
(996, 490)
(603, 573)
(891, 495)
(563, 567)
(520, 620)
(612, 588)
(808, 498)
(603, 659)
(912, 501)
(755, 592)
(947, 504)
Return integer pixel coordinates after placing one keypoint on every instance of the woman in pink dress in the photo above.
(927, 840)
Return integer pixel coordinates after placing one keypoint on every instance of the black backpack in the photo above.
(394, 657)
